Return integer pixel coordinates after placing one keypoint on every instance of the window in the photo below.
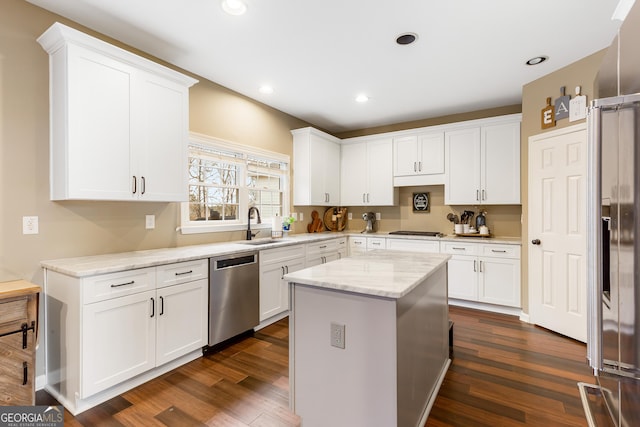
(225, 179)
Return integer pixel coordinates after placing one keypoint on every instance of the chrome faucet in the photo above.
(249, 233)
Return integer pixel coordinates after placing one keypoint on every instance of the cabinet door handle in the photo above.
(419, 166)
(474, 266)
(184, 272)
(483, 195)
(367, 197)
(480, 266)
(144, 184)
(363, 198)
(478, 195)
(135, 185)
(25, 373)
(161, 306)
(415, 169)
(286, 267)
(153, 307)
(282, 276)
(123, 284)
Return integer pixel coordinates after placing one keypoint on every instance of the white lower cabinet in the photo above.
(360, 244)
(274, 291)
(180, 311)
(118, 341)
(325, 251)
(105, 330)
(488, 273)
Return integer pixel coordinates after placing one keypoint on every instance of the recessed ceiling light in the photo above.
(266, 89)
(234, 7)
(362, 98)
(406, 38)
(537, 60)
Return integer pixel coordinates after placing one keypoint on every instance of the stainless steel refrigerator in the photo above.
(613, 344)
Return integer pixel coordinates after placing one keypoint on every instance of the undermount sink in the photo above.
(262, 241)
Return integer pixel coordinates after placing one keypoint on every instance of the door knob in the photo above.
(536, 241)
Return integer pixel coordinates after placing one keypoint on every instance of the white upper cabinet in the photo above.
(316, 168)
(367, 173)
(119, 122)
(483, 164)
(419, 159)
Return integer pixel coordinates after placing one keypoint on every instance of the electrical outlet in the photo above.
(29, 225)
(294, 215)
(337, 335)
(150, 222)
(378, 216)
(301, 216)
(350, 216)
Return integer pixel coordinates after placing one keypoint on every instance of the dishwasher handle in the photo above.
(221, 264)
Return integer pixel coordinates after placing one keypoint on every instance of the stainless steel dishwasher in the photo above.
(234, 295)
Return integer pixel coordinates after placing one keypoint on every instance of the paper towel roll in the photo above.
(275, 223)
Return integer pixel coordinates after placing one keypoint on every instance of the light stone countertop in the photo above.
(382, 273)
(109, 263)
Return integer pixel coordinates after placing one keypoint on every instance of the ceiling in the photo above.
(318, 55)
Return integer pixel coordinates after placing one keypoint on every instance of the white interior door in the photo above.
(557, 231)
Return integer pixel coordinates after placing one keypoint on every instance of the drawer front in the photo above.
(459, 248)
(358, 243)
(428, 246)
(376, 243)
(281, 254)
(500, 251)
(113, 285)
(181, 272)
(323, 247)
(13, 313)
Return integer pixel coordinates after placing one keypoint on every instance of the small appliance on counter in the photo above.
(370, 218)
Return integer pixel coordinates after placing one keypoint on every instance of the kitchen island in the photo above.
(368, 339)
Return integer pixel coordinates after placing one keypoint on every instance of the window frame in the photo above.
(247, 152)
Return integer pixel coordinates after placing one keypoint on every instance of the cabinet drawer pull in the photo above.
(153, 307)
(323, 247)
(161, 306)
(184, 272)
(459, 249)
(123, 284)
(357, 243)
(375, 243)
(25, 373)
(497, 251)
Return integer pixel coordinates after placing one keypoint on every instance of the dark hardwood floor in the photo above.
(504, 373)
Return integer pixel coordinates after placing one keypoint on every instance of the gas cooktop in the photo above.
(418, 233)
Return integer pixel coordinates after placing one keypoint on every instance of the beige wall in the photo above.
(83, 228)
(534, 95)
